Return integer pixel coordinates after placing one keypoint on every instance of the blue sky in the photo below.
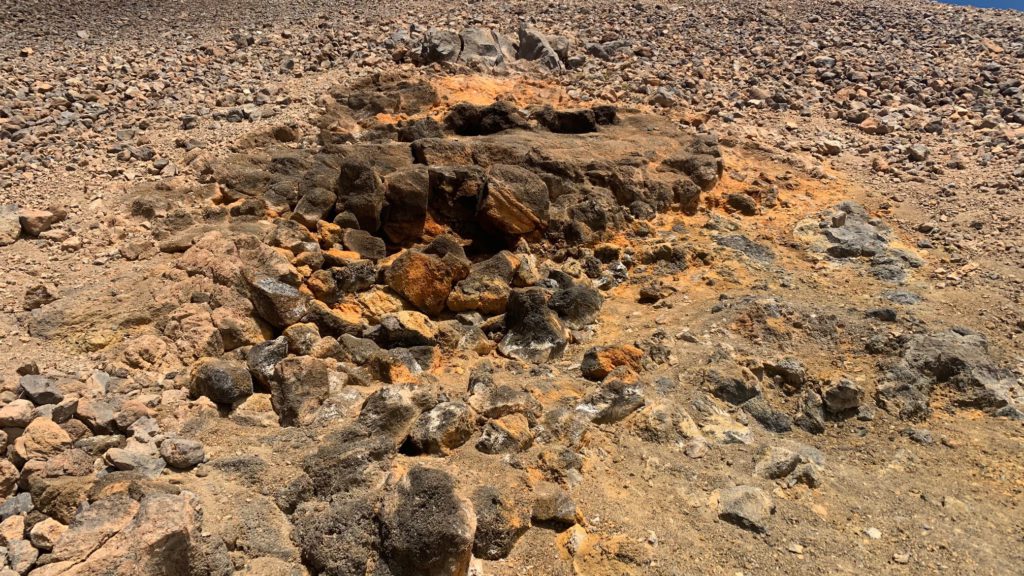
(1015, 4)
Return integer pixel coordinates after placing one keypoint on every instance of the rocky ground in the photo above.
(575, 288)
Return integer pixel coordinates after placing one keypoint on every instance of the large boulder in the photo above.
(506, 435)
(8, 479)
(405, 328)
(406, 211)
(439, 151)
(455, 193)
(263, 357)
(226, 382)
(577, 305)
(315, 205)
(441, 429)
(10, 225)
(467, 119)
(16, 413)
(156, 536)
(389, 413)
(747, 507)
(427, 529)
(299, 386)
(842, 396)
(599, 361)
(361, 192)
(535, 46)
(337, 538)
(413, 130)
(40, 389)
(486, 289)
(578, 121)
(34, 222)
(534, 332)
(347, 465)
(182, 453)
(498, 400)
(703, 169)
(732, 384)
(553, 507)
(481, 45)
(357, 276)
(501, 520)
(365, 244)
(42, 439)
(957, 360)
(440, 45)
(516, 201)
(279, 304)
(423, 279)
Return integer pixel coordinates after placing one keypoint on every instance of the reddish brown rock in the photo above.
(35, 222)
(423, 279)
(599, 362)
(517, 201)
(42, 438)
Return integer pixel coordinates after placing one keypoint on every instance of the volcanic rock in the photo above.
(426, 528)
(747, 507)
(225, 382)
(441, 429)
(423, 279)
(535, 333)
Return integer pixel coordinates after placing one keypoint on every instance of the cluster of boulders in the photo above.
(354, 508)
(316, 293)
(386, 252)
(850, 233)
(370, 260)
(818, 401)
(366, 261)
(916, 366)
(782, 394)
(18, 222)
(483, 47)
(79, 481)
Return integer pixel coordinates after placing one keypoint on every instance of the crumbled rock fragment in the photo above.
(601, 361)
(182, 453)
(748, 507)
(441, 429)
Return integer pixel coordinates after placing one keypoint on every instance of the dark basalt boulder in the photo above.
(580, 121)
(535, 46)
(484, 46)
(515, 202)
(279, 304)
(440, 46)
(535, 333)
(225, 382)
(361, 192)
(426, 528)
(340, 537)
(703, 169)
(467, 119)
(405, 212)
(577, 305)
